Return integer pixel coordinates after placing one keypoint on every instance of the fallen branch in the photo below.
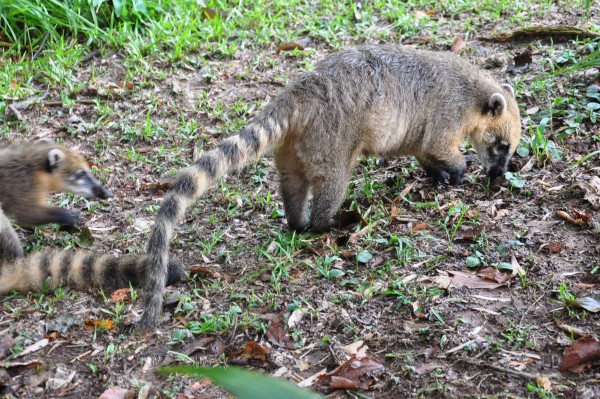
(15, 108)
(557, 33)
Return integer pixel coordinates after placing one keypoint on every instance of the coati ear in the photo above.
(496, 104)
(55, 157)
(508, 88)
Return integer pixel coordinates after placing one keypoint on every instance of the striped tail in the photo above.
(265, 131)
(77, 269)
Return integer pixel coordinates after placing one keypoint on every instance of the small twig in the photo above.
(522, 374)
(37, 52)
(81, 101)
(15, 107)
(529, 308)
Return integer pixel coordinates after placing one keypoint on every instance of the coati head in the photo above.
(499, 139)
(68, 171)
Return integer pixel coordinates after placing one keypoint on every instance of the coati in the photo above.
(374, 100)
(28, 174)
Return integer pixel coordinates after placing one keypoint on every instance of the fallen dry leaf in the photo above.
(121, 295)
(418, 227)
(251, 354)
(289, 47)
(357, 349)
(418, 309)
(584, 286)
(544, 383)
(565, 216)
(277, 334)
(491, 273)
(587, 303)
(353, 374)
(554, 247)
(473, 232)
(427, 368)
(34, 347)
(295, 317)
(118, 393)
(458, 44)
(124, 84)
(97, 324)
(581, 351)
(462, 279)
(580, 215)
(591, 191)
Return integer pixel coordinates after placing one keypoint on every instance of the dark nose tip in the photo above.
(102, 193)
(494, 172)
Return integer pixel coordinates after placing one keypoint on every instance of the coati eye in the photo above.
(80, 175)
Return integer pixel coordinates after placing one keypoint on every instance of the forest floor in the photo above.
(474, 290)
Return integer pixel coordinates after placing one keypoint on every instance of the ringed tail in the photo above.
(76, 269)
(266, 130)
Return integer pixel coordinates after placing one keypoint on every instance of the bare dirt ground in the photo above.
(429, 334)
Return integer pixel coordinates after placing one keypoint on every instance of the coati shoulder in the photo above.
(377, 100)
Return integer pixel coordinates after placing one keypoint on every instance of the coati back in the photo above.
(30, 172)
(374, 100)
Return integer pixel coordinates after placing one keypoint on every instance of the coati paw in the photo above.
(445, 175)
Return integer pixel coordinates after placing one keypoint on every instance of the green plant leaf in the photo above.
(364, 256)
(245, 384)
(473, 261)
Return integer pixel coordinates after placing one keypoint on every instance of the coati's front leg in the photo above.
(10, 246)
(446, 169)
(294, 190)
(328, 195)
(44, 214)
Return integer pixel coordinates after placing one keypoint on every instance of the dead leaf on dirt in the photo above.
(295, 317)
(584, 286)
(544, 383)
(427, 368)
(118, 393)
(527, 167)
(278, 335)
(28, 363)
(289, 47)
(588, 303)
(580, 215)
(97, 324)
(404, 192)
(462, 279)
(571, 330)
(458, 44)
(532, 110)
(520, 62)
(61, 379)
(86, 239)
(493, 274)
(419, 227)
(353, 374)
(34, 347)
(554, 247)
(121, 295)
(517, 269)
(565, 216)
(591, 191)
(125, 84)
(252, 354)
(357, 349)
(418, 310)
(582, 350)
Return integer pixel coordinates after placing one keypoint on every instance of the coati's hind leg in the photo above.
(294, 189)
(328, 195)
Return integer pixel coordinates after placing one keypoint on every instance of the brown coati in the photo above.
(375, 100)
(27, 175)
(30, 172)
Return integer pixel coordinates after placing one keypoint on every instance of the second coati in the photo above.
(28, 173)
(375, 100)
